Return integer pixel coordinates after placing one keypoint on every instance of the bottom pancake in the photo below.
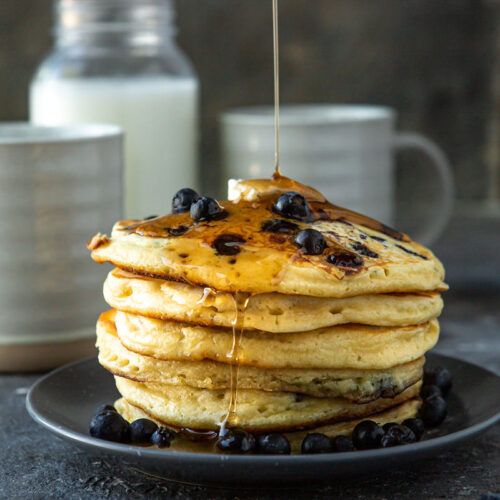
(257, 411)
(360, 386)
(398, 414)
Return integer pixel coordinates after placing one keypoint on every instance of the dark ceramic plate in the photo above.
(64, 400)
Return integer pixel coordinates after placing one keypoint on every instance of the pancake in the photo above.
(347, 346)
(398, 414)
(359, 386)
(239, 253)
(184, 406)
(271, 312)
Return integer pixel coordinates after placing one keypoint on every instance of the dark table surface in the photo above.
(36, 464)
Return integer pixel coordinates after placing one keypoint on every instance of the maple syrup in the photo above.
(241, 301)
(254, 223)
(276, 88)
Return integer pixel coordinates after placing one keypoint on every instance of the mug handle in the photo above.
(412, 140)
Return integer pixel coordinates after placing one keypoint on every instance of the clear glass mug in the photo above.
(345, 151)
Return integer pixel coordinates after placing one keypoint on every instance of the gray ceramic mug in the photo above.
(345, 151)
(58, 186)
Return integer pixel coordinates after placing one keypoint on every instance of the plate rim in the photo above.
(213, 458)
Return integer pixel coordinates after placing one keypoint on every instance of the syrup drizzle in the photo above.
(276, 88)
(241, 301)
(207, 291)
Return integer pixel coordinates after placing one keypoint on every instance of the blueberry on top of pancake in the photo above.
(264, 218)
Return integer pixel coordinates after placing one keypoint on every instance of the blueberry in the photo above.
(434, 411)
(364, 250)
(416, 425)
(316, 443)
(396, 435)
(236, 441)
(293, 205)
(366, 435)
(183, 200)
(103, 409)
(177, 231)
(438, 376)
(430, 390)
(406, 435)
(162, 436)
(388, 440)
(342, 443)
(141, 430)
(311, 242)
(345, 259)
(388, 426)
(111, 426)
(228, 244)
(205, 208)
(279, 226)
(273, 444)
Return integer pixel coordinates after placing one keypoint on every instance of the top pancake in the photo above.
(263, 261)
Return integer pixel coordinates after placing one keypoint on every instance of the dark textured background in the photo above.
(435, 61)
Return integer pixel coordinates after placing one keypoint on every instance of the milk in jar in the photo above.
(116, 61)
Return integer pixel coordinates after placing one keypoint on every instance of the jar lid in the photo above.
(113, 15)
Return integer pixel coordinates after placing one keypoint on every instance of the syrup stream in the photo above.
(276, 88)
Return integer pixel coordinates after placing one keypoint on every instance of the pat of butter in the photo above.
(250, 190)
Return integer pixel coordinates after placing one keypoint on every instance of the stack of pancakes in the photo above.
(226, 322)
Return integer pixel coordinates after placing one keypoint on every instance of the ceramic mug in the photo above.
(58, 185)
(345, 151)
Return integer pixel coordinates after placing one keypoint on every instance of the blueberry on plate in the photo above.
(416, 425)
(183, 200)
(316, 443)
(293, 206)
(434, 411)
(103, 409)
(111, 426)
(311, 242)
(387, 426)
(396, 435)
(438, 376)
(235, 440)
(367, 435)
(141, 430)
(342, 443)
(162, 436)
(273, 444)
(389, 440)
(430, 390)
(205, 208)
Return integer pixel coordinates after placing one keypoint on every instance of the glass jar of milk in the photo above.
(116, 61)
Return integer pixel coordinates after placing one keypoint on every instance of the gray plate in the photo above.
(64, 400)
